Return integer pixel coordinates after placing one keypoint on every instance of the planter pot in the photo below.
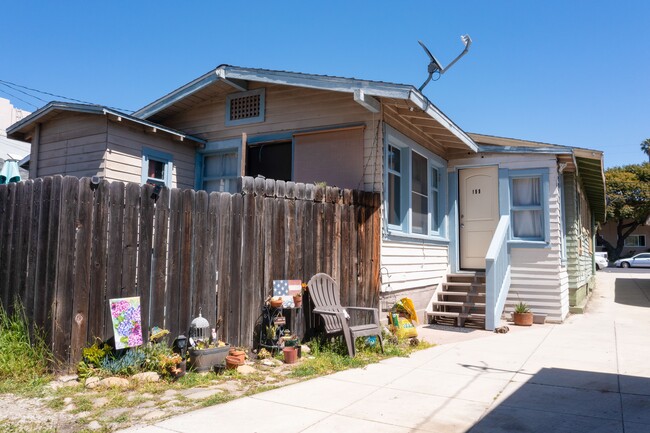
(180, 370)
(290, 355)
(523, 319)
(276, 302)
(239, 354)
(205, 359)
(232, 362)
(297, 301)
(539, 319)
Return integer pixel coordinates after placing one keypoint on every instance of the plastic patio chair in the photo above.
(325, 294)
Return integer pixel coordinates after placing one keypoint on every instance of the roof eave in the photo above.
(21, 127)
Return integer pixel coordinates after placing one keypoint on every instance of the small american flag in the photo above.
(286, 289)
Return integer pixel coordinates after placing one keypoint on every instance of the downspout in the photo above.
(34, 151)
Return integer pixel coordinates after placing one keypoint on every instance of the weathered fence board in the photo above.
(68, 246)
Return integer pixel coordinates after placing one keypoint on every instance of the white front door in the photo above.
(478, 190)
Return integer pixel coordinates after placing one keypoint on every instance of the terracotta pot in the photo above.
(290, 355)
(297, 301)
(276, 303)
(232, 362)
(523, 319)
(239, 354)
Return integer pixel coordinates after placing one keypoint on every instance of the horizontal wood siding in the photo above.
(579, 234)
(290, 109)
(124, 156)
(537, 273)
(72, 145)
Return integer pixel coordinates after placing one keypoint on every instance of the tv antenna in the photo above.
(434, 65)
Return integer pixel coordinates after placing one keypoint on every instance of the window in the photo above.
(271, 160)
(635, 241)
(529, 205)
(156, 168)
(394, 186)
(245, 107)
(220, 171)
(419, 194)
(414, 190)
(527, 220)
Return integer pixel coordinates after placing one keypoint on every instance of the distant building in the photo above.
(12, 149)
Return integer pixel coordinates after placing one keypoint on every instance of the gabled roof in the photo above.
(22, 128)
(587, 163)
(238, 78)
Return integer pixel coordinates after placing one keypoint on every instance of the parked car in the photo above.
(601, 261)
(639, 261)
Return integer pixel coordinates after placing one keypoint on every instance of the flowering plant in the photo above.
(127, 322)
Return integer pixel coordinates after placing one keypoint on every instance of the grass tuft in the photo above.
(24, 358)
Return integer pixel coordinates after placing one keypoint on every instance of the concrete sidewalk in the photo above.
(590, 374)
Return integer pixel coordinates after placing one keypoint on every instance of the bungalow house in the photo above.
(470, 223)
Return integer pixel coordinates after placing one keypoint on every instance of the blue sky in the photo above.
(565, 72)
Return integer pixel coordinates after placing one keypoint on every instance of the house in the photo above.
(12, 149)
(513, 217)
(637, 242)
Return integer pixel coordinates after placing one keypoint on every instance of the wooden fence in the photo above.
(68, 246)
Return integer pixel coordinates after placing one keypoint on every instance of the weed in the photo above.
(218, 398)
(24, 357)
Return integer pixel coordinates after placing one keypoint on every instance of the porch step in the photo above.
(461, 302)
(465, 294)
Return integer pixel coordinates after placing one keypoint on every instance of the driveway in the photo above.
(589, 374)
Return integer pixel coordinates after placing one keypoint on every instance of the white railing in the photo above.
(497, 274)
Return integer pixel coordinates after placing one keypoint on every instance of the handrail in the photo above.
(497, 274)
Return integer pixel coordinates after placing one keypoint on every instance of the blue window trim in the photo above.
(256, 119)
(396, 139)
(543, 175)
(215, 148)
(156, 155)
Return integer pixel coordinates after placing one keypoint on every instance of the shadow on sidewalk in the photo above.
(632, 291)
(559, 400)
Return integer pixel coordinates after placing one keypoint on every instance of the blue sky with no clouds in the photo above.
(565, 72)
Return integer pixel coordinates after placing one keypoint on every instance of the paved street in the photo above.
(590, 374)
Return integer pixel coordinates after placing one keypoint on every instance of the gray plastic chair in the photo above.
(325, 294)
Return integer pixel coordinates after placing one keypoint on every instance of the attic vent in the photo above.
(246, 107)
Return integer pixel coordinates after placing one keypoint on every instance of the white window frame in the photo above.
(155, 155)
(638, 241)
(407, 147)
(542, 175)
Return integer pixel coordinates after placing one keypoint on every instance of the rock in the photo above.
(114, 413)
(82, 414)
(270, 379)
(100, 402)
(68, 378)
(91, 382)
(147, 404)
(114, 382)
(246, 369)
(67, 400)
(268, 363)
(70, 407)
(94, 425)
(170, 393)
(154, 415)
(200, 395)
(304, 349)
(147, 376)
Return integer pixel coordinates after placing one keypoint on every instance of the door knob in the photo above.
(462, 225)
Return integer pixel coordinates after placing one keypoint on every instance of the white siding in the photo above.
(538, 276)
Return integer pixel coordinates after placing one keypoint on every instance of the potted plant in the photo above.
(297, 298)
(522, 315)
(204, 356)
